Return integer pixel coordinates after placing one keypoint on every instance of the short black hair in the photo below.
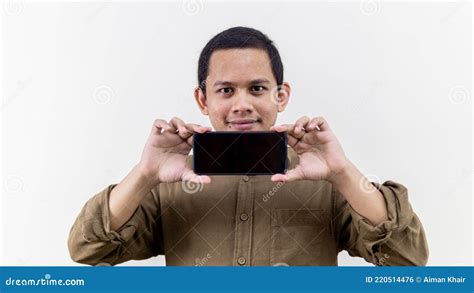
(239, 38)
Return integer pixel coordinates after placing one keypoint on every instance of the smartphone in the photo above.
(240, 152)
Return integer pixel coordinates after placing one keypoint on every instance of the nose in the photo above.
(242, 104)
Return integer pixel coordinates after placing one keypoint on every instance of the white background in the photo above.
(82, 83)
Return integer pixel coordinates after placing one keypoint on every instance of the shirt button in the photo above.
(246, 178)
(244, 216)
(241, 260)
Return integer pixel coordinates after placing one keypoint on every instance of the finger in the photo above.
(292, 140)
(318, 123)
(190, 176)
(179, 126)
(300, 126)
(160, 125)
(290, 175)
(177, 122)
(197, 128)
(283, 128)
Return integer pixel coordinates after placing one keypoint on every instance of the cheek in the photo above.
(218, 109)
(267, 109)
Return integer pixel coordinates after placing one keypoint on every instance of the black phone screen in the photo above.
(240, 152)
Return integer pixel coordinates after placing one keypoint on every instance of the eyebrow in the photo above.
(229, 83)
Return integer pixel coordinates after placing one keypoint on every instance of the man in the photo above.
(322, 205)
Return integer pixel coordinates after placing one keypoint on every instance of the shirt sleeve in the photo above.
(91, 241)
(398, 241)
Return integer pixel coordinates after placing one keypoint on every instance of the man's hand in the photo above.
(164, 156)
(320, 153)
(163, 160)
(321, 157)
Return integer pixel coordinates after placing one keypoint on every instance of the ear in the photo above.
(283, 96)
(201, 100)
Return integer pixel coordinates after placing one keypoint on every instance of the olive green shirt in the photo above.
(249, 221)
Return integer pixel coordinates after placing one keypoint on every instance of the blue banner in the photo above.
(238, 279)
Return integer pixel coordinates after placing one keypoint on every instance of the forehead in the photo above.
(240, 65)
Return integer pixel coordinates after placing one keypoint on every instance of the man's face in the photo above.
(241, 91)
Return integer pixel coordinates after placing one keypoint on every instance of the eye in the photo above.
(226, 90)
(258, 88)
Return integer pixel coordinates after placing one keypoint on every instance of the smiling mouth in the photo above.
(242, 124)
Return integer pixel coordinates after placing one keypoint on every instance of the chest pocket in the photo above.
(298, 237)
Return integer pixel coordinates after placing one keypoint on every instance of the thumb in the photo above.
(189, 176)
(291, 175)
